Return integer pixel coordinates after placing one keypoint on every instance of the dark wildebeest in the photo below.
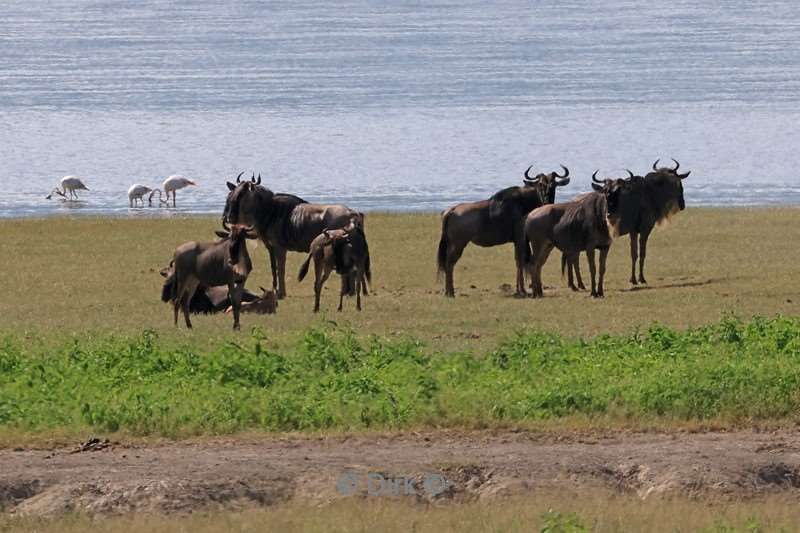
(212, 264)
(495, 221)
(345, 251)
(283, 222)
(573, 227)
(648, 201)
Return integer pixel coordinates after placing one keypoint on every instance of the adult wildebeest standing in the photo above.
(212, 264)
(495, 221)
(648, 201)
(346, 251)
(573, 227)
(283, 222)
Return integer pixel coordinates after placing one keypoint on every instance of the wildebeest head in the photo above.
(615, 190)
(243, 200)
(235, 236)
(546, 183)
(666, 186)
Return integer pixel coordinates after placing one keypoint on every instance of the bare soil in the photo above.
(101, 477)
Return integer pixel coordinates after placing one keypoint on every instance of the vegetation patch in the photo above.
(732, 371)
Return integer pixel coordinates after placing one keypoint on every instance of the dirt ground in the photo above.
(102, 478)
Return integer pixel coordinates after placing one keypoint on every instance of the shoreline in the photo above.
(165, 214)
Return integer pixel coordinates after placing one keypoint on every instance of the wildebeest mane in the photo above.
(512, 201)
(275, 209)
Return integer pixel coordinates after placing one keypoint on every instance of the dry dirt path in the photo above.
(102, 478)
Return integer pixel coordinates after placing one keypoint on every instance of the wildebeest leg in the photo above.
(273, 265)
(592, 271)
(576, 263)
(320, 277)
(454, 252)
(634, 256)
(342, 290)
(642, 253)
(603, 256)
(235, 296)
(280, 259)
(359, 288)
(542, 256)
(519, 258)
(186, 302)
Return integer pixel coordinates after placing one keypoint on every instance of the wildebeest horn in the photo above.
(655, 165)
(239, 177)
(630, 174)
(225, 225)
(562, 180)
(528, 178)
(594, 177)
(684, 176)
(258, 181)
(677, 166)
(253, 177)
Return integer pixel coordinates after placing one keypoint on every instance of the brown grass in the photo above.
(599, 511)
(63, 275)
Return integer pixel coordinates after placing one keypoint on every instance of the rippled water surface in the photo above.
(399, 106)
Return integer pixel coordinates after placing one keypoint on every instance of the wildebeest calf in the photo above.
(343, 250)
(212, 264)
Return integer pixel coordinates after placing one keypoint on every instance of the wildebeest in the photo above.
(648, 201)
(265, 304)
(283, 222)
(345, 251)
(212, 264)
(495, 221)
(573, 227)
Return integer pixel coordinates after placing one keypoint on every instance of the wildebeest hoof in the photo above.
(642, 280)
(520, 294)
(633, 281)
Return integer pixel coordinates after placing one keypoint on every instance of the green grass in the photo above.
(728, 372)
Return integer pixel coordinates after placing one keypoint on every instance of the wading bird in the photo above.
(173, 183)
(137, 192)
(70, 184)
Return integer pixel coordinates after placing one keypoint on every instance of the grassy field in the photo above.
(63, 276)
(579, 512)
(87, 343)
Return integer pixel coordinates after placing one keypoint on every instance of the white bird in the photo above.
(137, 192)
(70, 184)
(173, 183)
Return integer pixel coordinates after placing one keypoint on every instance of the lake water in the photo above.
(393, 105)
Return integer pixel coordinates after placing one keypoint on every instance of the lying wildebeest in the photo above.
(495, 221)
(283, 222)
(265, 304)
(573, 227)
(211, 300)
(346, 251)
(649, 200)
(212, 264)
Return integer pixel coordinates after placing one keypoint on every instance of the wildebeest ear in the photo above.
(222, 234)
(231, 186)
(598, 188)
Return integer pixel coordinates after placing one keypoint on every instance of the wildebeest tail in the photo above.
(304, 268)
(367, 271)
(444, 243)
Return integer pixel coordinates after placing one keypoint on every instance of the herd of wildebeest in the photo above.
(207, 277)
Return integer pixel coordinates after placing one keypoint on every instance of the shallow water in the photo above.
(405, 106)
